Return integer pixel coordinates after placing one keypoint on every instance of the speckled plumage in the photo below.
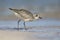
(24, 15)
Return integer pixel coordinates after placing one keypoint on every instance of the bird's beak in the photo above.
(40, 17)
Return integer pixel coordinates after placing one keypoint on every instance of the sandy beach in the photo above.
(43, 34)
(16, 35)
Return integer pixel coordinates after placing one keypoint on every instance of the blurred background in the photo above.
(48, 9)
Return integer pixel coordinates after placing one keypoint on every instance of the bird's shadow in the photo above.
(12, 29)
(18, 28)
(8, 28)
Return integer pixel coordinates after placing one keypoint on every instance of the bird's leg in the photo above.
(25, 26)
(18, 24)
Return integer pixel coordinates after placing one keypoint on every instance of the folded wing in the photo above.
(23, 13)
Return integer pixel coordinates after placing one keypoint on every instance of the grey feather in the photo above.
(23, 13)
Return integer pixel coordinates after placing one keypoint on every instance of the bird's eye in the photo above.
(36, 15)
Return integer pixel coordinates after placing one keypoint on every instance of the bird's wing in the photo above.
(23, 13)
(26, 14)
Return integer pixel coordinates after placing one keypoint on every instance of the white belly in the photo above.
(22, 18)
(26, 19)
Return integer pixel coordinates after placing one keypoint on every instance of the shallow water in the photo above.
(47, 22)
(38, 23)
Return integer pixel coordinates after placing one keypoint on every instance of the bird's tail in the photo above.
(10, 8)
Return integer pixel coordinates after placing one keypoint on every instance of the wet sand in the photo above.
(16, 35)
(45, 33)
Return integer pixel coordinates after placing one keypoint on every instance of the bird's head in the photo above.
(37, 16)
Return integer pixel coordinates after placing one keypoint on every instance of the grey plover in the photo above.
(25, 15)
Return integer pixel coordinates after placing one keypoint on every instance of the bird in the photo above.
(25, 15)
